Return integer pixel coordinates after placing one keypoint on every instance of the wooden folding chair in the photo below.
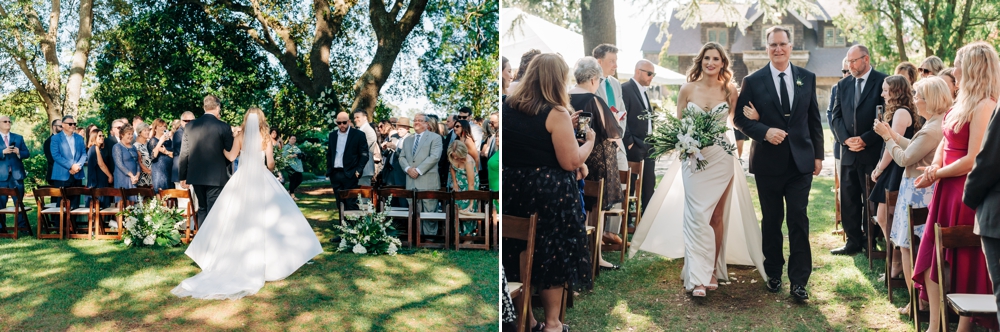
(495, 223)
(114, 195)
(444, 217)
(874, 231)
(636, 168)
(16, 209)
(918, 216)
(890, 282)
(482, 218)
(397, 213)
(45, 215)
(595, 222)
(625, 177)
(172, 197)
(342, 195)
(966, 305)
(77, 229)
(522, 229)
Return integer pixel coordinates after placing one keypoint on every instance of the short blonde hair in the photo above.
(935, 93)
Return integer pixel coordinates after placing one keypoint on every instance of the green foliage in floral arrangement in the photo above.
(697, 130)
(281, 160)
(371, 233)
(151, 223)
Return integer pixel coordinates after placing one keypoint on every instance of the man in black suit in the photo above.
(202, 161)
(47, 149)
(178, 139)
(982, 193)
(346, 157)
(853, 120)
(787, 151)
(450, 122)
(640, 124)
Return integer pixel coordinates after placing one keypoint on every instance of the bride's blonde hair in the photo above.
(265, 139)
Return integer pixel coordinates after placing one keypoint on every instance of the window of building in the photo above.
(719, 35)
(833, 37)
(791, 37)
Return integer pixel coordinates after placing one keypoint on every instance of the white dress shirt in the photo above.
(338, 162)
(789, 82)
(865, 82)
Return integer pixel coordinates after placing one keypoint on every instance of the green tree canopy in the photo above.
(162, 63)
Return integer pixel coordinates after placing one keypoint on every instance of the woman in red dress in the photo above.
(977, 66)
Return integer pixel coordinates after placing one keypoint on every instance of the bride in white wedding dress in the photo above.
(255, 232)
(718, 225)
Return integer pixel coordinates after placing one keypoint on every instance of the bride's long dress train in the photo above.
(666, 232)
(254, 233)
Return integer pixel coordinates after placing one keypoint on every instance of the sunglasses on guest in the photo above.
(925, 71)
(342, 122)
(844, 71)
(648, 73)
(73, 124)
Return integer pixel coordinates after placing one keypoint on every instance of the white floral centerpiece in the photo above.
(151, 223)
(697, 130)
(371, 233)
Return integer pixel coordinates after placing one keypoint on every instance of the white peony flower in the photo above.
(149, 240)
(128, 241)
(392, 249)
(343, 244)
(360, 249)
(148, 218)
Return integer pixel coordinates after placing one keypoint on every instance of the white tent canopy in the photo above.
(520, 32)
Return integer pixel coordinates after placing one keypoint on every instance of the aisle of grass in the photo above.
(100, 285)
(648, 294)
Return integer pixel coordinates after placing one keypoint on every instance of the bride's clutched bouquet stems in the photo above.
(697, 130)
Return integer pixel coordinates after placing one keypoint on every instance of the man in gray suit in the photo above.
(374, 165)
(982, 193)
(419, 160)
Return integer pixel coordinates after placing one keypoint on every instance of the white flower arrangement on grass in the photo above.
(151, 223)
(697, 130)
(371, 233)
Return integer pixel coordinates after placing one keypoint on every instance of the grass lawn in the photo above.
(101, 285)
(648, 294)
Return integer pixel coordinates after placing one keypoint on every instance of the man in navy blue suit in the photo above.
(12, 169)
(70, 156)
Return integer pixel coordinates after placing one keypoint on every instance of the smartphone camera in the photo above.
(583, 124)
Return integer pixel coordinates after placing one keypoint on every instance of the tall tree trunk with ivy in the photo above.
(598, 24)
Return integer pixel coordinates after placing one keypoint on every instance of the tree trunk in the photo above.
(78, 68)
(963, 27)
(391, 35)
(598, 24)
(897, 22)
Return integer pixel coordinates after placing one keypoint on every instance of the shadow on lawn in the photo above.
(58, 285)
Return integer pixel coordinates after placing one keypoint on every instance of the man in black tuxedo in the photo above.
(450, 122)
(346, 157)
(853, 120)
(982, 193)
(786, 153)
(640, 124)
(202, 161)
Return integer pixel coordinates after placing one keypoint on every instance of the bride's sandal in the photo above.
(699, 292)
(713, 285)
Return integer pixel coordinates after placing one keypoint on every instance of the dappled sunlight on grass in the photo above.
(647, 295)
(100, 286)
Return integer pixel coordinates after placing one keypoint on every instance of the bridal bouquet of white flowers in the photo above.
(697, 130)
(370, 233)
(151, 223)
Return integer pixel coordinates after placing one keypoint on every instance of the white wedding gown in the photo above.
(254, 233)
(666, 232)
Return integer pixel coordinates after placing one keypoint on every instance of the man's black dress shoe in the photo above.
(847, 250)
(610, 268)
(773, 285)
(799, 293)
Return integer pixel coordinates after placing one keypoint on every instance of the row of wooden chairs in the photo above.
(451, 217)
(57, 219)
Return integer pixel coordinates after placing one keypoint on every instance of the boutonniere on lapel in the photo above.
(798, 81)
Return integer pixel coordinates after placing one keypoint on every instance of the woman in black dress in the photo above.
(541, 178)
(887, 174)
(100, 174)
(603, 161)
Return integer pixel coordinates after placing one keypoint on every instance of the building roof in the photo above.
(820, 60)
